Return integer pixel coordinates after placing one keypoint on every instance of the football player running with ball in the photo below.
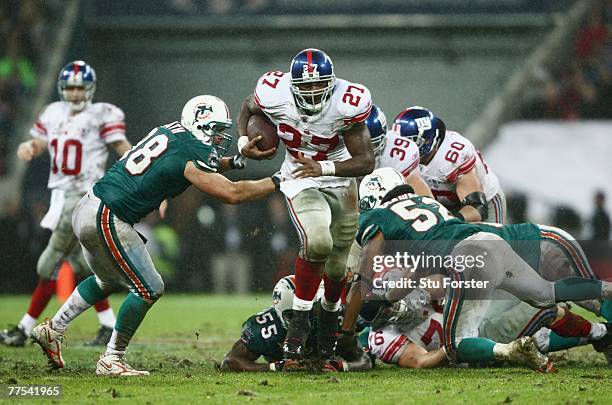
(162, 165)
(78, 135)
(320, 118)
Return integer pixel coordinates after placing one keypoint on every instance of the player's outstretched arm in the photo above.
(471, 195)
(419, 185)
(31, 149)
(225, 190)
(240, 358)
(414, 356)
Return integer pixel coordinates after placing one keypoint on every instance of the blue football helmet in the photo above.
(312, 80)
(422, 127)
(377, 125)
(77, 74)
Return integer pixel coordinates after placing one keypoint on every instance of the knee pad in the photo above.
(156, 287)
(48, 263)
(318, 245)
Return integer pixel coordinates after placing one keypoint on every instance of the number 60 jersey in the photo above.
(319, 136)
(77, 143)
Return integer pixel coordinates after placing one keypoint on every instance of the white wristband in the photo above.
(272, 366)
(328, 168)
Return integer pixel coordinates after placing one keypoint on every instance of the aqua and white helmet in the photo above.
(206, 117)
(375, 185)
(282, 297)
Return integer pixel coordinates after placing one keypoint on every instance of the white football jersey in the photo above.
(455, 157)
(399, 154)
(78, 143)
(318, 136)
(388, 343)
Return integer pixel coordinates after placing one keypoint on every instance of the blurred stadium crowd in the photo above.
(580, 88)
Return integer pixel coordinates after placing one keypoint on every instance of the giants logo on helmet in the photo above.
(423, 124)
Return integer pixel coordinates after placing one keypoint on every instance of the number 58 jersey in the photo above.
(319, 136)
(153, 171)
(78, 143)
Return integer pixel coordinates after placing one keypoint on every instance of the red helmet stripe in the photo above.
(309, 59)
(76, 70)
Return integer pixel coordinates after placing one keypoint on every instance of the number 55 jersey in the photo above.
(78, 143)
(152, 171)
(318, 136)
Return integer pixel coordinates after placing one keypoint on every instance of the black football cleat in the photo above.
(294, 346)
(327, 333)
(15, 337)
(102, 338)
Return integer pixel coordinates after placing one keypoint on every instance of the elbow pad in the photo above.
(477, 200)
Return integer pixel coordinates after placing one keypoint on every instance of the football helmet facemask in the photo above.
(77, 74)
(312, 80)
(207, 117)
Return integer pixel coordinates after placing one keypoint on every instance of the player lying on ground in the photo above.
(164, 164)
(409, 333)
(390, 211)
(78, 135)
(263, 334)
(320, 119)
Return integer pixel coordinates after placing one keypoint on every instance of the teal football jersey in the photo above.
(418, 218)
(152, 171)
(263, 334)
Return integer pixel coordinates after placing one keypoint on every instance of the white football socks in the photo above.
(73, 307)
(107, 318)
(27, 323)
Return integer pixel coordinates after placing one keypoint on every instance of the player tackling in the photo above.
(162, 165)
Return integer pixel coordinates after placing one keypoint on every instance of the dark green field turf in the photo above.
(183, 337)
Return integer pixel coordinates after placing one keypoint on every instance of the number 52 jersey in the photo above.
(78, 143)
(319, 136)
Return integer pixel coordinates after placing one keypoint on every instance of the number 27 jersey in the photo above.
(318, 136)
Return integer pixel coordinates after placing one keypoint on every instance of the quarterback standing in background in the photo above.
(164, 164)
(78, 134)
(320, 118)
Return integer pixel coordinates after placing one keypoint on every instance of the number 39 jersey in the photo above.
(456, 156)
(319, 136)
(78, 143)
(399, 154)
(152, 171)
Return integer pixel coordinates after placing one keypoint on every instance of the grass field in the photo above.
(185, 336)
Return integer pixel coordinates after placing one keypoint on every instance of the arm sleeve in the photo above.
(113, 124)
(39, 129)
(465, 162)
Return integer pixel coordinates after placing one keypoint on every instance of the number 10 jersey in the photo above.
(78, 143)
